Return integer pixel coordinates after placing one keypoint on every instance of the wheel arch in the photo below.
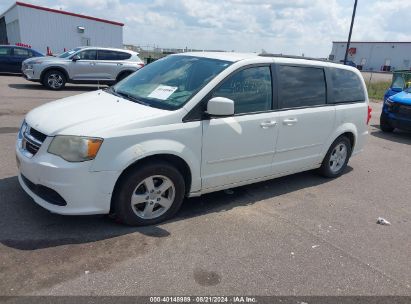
(350, 135)
(128, 72)
(180, 164)
(57, 68)
(349, 130)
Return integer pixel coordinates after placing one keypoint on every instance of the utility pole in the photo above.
(349, 35)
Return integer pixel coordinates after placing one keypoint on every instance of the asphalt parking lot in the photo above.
(297, 235)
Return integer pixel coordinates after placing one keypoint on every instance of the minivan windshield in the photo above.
(170, 82)
(70, 52)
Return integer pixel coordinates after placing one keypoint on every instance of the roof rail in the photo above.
(292, 56)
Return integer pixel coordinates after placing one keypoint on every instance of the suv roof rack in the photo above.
(292, 56)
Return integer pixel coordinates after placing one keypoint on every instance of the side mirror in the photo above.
(75, 58)
(220, 106)
(396, 89)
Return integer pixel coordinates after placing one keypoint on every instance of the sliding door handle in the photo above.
(268, 124)
(290, 121)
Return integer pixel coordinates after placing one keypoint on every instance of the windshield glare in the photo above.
(398, 82)
(170, 82)
(70, 52)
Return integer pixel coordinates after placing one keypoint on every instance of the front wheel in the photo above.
(149, 194)
(385, 125)
(54, 80)
(336, 159)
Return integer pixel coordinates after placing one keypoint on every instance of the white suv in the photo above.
(187, 125)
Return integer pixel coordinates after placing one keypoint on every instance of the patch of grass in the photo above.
(376, 90)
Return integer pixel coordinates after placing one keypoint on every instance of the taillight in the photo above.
(140, 64)
(369, 115)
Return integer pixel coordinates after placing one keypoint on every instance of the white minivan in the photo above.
(187, 125)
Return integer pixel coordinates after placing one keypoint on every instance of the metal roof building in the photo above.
(42, 27)
(374, 56)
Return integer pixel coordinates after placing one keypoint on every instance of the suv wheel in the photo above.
(336, 159)
(54, 80)
(149, 194)
(385, 124)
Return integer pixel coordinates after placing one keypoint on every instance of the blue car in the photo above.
(12, 56)
(396, 112)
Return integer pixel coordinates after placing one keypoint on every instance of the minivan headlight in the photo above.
(75, 148)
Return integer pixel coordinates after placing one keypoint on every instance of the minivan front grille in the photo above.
(31, 141)
(37, 135)
(32, 148)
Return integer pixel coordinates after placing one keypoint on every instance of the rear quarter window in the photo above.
(346, 86)
(112, 55)
(123, 56)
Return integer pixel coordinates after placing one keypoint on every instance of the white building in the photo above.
(42, 27)
(375, 56)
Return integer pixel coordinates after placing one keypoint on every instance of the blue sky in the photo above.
(277, 26)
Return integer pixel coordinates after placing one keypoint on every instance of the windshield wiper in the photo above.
(112, 91)
(127, 96)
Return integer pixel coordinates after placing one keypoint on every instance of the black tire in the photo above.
(326, 168)
(125, 213)
(123, 75)
(54, 80)
(385, 125)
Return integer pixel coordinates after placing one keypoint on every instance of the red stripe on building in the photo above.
(67, 13)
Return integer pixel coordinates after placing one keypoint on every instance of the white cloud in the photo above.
(278, 26)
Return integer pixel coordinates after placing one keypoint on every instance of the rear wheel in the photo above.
(336, 159)
(149, 194)
(54, 80)
(385, 125)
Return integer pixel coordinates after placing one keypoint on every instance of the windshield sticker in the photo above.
(162, 92)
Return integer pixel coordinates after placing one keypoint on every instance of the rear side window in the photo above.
(107, 55)
(21, 52)
(250, 89)
(4, 51)
(301, 86)
(347, 86)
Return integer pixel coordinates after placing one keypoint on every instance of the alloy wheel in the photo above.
(153, 197)
(338, 157)
(55, 81)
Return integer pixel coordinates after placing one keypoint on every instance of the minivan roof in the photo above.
(234, 57)
(226, 56)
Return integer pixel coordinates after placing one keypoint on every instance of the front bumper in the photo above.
(30, 74)
(83, 191)
(396, 121)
